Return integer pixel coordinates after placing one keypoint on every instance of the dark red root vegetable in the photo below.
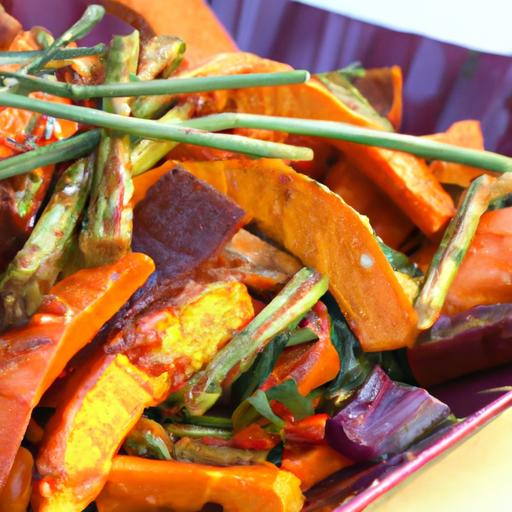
(383, 418)
(470, 341)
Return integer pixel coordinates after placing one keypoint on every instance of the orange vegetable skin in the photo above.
(142, 485)
(389, 222)
(405, 178)
(467, 134)
(15, 495)
(180, 18)
(33, 356)
(103, 404)
(311, 464)
(318, 227)
(485, 276)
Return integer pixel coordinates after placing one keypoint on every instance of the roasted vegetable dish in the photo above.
(223, 280)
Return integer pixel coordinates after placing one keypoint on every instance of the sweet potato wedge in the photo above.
(318, 227)
(136, 484)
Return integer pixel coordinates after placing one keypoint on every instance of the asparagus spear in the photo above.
(61, 151)
(455, 244)
(292, 302)
(107, 232)
(36, 267)
(147, 153)
(91, 17)
(160, 55)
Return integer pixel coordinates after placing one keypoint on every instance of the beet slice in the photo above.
(383, 418)
(182, 222)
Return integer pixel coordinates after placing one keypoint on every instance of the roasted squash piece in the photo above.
(142, 485)
(103, 402)
(32, 357)
(318, 227)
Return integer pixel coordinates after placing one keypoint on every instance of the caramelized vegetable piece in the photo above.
(389, 222)
(309, 365)
(382, 87)
(181, 21)
(311, 464)
(467, 134)
(103, 404)
(485, 274)
(33, 356)
(405, 178)
(255, 262)
(15, 496)
(333, 239)
(142, 485)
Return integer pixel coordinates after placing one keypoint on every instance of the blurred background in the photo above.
(462, 71)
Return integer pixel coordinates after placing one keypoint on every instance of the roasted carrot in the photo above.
(484, 275)
(136, 484)
(467, 134)
(311, 464)
(33, 356)
(389, 222)
(285, 205)
(15, 496)
(102, 404)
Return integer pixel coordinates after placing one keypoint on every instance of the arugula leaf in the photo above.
(261, 404)
(262, 367)
(288, 394)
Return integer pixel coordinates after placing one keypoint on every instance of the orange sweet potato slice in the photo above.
(137, 484)
(104, 401)
(318, 227)
(31, 357)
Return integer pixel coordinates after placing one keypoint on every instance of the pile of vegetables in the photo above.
(223, 280)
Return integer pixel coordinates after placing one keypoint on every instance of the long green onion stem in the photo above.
(148, 129)
(156, 87)
(350, 133)
(7, 58)
(61, 151)
(91, 17)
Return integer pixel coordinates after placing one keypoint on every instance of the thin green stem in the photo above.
(342, 131)
(156, 87)
(91, 17)
(7, 58)
(61, 151)
(148, 129)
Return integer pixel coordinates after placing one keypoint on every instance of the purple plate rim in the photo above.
(452, 437)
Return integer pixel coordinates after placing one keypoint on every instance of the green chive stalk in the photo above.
(36, 266)
(153, 87)
(148, 129)
(147, 153)
(287, 307)
(333, 130)
(63, 54)
(91, 17)
(197, 431)
(61, 151)
(451, 251)
(107, 232)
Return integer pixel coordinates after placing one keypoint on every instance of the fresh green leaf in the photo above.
(288, 394)
(261, 404)
(258, 373)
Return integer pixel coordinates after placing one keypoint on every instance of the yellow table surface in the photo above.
(474, 476)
